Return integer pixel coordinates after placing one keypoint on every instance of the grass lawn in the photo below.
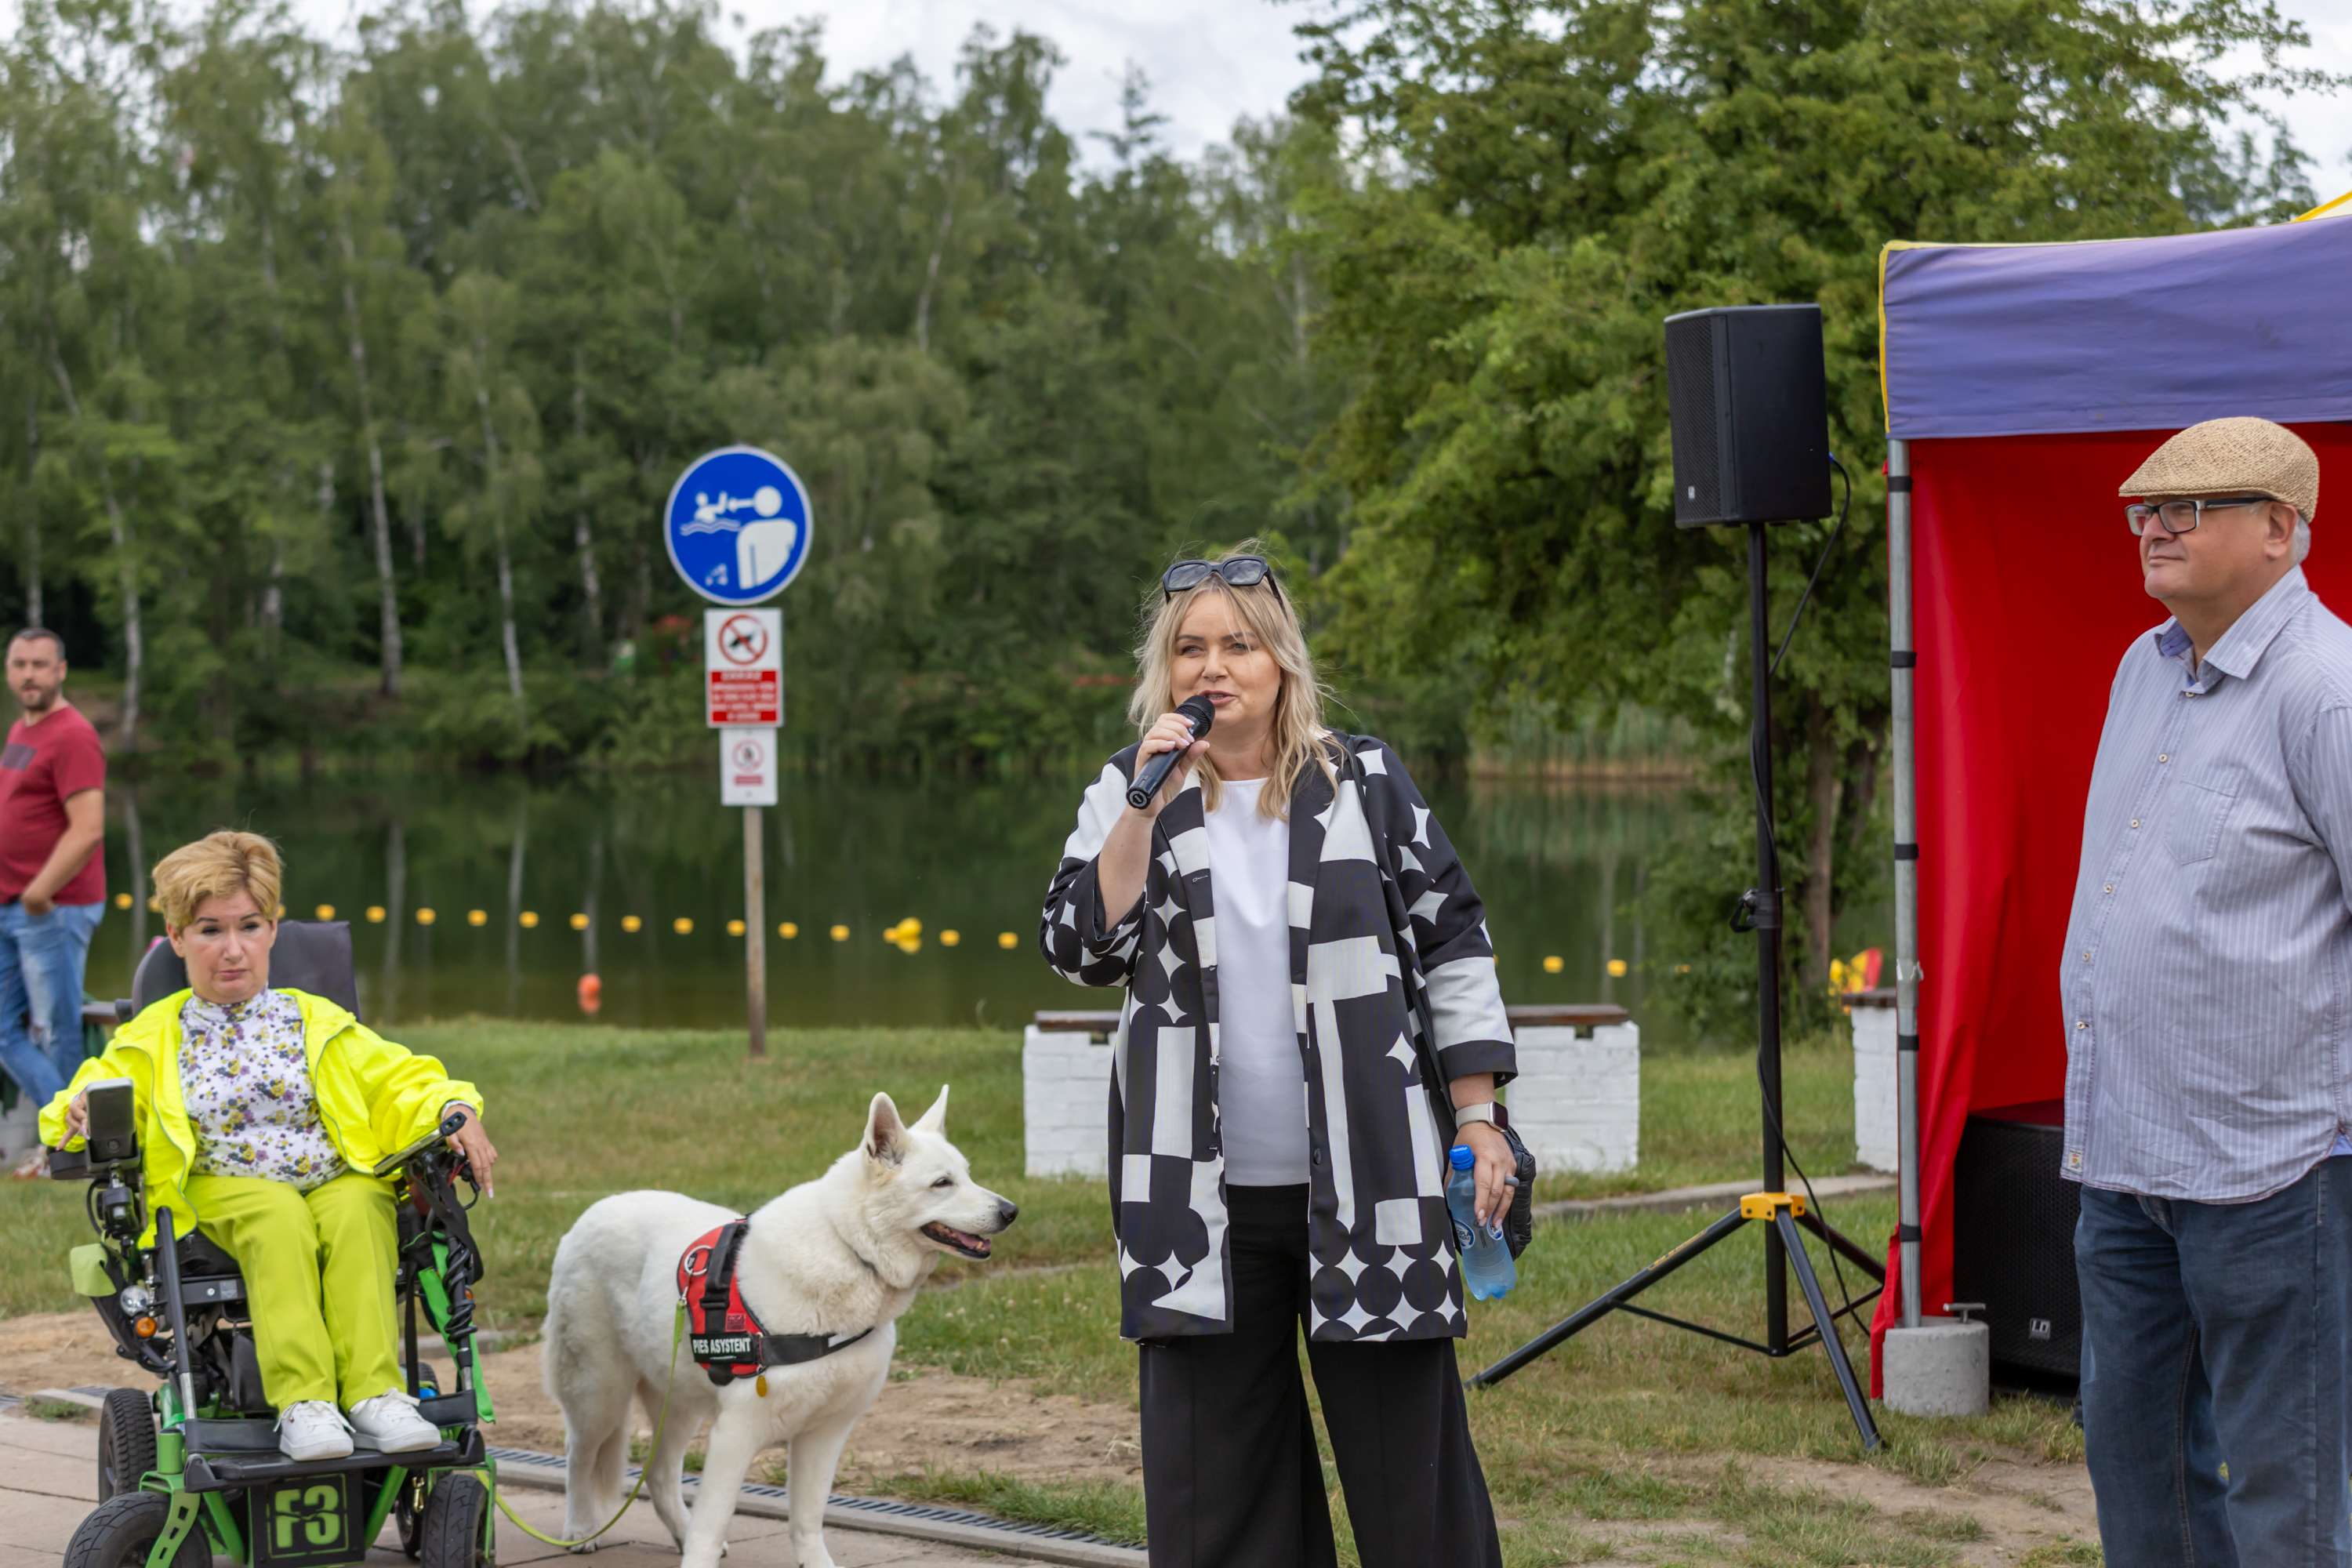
(1628, 1426)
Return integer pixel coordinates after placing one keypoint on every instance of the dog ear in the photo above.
(885, 1135)
(935, 1120)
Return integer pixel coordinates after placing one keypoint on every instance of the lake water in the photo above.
(628, 860)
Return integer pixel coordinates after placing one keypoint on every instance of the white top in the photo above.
(244, 1073)
(1261, 1079)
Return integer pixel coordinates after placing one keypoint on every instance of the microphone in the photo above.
(1201, 713)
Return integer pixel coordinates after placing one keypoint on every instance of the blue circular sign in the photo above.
(738, 525)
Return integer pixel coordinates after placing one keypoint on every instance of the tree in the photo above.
(1537, 184)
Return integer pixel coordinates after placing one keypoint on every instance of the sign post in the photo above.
(737, 527)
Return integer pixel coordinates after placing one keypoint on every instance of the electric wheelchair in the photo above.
(213, 1480)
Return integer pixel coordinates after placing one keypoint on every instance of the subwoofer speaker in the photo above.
(1748, 401)
(2013, 1236)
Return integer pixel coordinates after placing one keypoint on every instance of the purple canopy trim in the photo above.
(2118, 334)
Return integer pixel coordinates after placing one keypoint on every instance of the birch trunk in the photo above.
(118, 533)
(581, 539)
(32, 510)
(499, 534)
(388, 608)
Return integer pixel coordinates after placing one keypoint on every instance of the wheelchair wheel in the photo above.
(454, 1523)
(120, 1532)
(126, 1442)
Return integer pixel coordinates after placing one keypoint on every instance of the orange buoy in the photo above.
(592, 995)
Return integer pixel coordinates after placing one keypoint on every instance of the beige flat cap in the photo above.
(2232, 457)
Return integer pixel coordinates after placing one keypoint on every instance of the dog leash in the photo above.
(677, 1333)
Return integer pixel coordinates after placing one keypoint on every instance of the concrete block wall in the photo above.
(1577, 1103)
(1066, 1103)
(1874, 1137)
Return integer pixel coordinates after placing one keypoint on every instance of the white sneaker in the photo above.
(390, 1421)
(313, 1429)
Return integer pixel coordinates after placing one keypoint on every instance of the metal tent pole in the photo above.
(1907, 875)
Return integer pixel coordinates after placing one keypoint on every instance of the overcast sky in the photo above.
(1212, 61)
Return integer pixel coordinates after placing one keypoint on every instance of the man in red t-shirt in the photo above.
(52, 877)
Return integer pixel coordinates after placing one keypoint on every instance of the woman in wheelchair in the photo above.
(260, 1112)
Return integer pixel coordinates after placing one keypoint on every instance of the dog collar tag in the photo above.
(763, 1386)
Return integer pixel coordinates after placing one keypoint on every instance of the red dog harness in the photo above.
(722, 1335)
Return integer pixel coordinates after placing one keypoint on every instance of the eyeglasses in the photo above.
(2179, 516)
(1238, 570)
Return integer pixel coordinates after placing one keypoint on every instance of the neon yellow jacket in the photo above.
(375, 1098)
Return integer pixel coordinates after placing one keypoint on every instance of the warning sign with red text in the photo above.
(743, 666)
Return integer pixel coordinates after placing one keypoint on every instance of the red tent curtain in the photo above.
(2025, 592)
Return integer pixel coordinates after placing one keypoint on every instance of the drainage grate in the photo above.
(884, 1508)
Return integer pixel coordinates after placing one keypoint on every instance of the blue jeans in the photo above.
(2215, 1375)
(41, 963)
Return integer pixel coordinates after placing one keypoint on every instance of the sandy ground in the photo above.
(936, 1421)
(930, 1421)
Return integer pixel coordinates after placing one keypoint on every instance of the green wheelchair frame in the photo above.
(212, 1478)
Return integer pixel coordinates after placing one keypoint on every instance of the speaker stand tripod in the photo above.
(1782, 1213)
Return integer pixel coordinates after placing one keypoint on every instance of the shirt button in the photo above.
(2082, 1023)
(2110, 887)
(2135, 822)
(2163, 756)
(2086, 955)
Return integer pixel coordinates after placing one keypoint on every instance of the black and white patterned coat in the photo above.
(1377, 899)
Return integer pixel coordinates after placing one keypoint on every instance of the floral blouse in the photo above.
(247, 1082)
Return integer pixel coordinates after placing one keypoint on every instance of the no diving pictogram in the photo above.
(750, 755)
(742, 639)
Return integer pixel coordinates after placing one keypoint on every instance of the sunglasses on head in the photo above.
(1238, 570)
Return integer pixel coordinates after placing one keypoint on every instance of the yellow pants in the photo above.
(318, 1271)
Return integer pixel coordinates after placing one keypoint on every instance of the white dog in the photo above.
(838, 1255)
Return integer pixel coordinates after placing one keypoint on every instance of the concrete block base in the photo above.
(1943, 1367)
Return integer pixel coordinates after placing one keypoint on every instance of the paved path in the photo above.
(48, 1480)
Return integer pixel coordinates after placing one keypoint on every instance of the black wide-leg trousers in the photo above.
(1231, 1478)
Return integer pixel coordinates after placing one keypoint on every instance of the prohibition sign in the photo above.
(742, 639)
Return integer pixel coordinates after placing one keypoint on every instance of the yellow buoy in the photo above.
(425, 917)
(1005, 938)
(683, 926)
(579, 923)
(121, 900)
(840, 934)
(323, 912)
(789, 930)
(375, 914)
(734, 928)
(1616, 968)
(153, 902)
(1554, 963)
(632, 923)
(949, 938)
(477, 917)
(529, 920)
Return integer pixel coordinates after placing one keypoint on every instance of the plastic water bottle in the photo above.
(1486, 1256)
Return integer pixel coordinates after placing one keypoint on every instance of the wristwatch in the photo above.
(1492, 1111)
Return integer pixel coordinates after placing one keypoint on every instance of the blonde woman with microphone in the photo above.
(1284, 912)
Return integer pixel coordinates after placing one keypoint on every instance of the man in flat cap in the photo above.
(2208, 988)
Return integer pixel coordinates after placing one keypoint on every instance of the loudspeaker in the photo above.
(1748, 401)
(2013, 1236)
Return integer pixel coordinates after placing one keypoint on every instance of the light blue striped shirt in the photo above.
(2208, 970)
